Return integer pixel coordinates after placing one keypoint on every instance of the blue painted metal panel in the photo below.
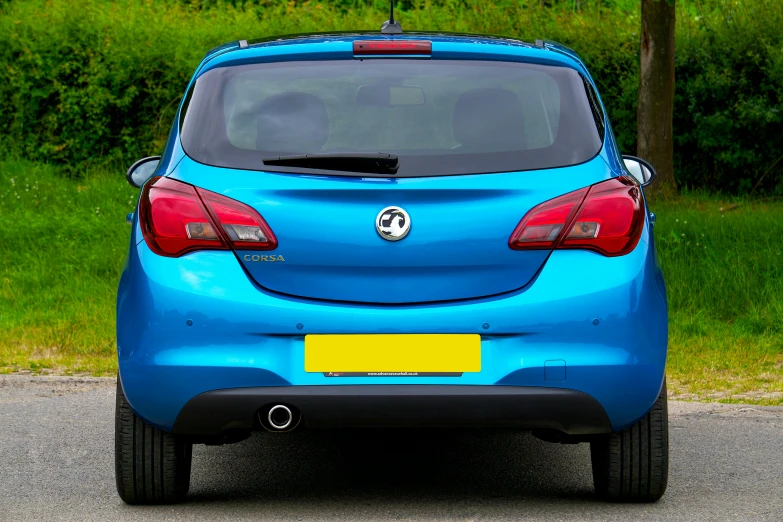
(457, 247)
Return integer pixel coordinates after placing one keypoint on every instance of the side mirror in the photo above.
(639, 169)
(142, 170)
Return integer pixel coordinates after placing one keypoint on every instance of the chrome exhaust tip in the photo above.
(280, 417)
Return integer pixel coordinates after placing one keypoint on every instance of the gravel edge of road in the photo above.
(61, 385)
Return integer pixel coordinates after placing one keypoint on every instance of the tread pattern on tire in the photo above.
(633, 465)
(151, 466)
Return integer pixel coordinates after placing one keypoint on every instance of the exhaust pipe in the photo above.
(280, 418)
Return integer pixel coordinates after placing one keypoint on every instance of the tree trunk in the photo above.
(656, 94)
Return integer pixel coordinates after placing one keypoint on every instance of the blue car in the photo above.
(391, 229)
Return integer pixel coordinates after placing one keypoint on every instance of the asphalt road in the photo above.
(56, 463)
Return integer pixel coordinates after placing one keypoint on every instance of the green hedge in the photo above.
(95, 81)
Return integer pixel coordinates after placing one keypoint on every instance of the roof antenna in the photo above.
(390, 26)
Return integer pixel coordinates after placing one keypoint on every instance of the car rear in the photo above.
(419, 230)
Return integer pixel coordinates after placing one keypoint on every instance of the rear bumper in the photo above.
(575, 413)
(196, 324)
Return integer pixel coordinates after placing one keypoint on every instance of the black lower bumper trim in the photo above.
(575, 413)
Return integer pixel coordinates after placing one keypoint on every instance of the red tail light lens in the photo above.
(611, 219)
(174, 221)
(607, 218)
(381, 47)
(177, 218)
(243, 227)
(544, 224)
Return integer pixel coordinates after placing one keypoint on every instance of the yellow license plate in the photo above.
(422, 353)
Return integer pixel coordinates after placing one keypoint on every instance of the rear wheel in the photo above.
(151, 466)
(633, 465)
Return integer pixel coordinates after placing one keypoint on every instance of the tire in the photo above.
(633, 465)
(151, 466)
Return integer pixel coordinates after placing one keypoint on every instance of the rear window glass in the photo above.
(440, 117)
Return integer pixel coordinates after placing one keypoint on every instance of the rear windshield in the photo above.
(440, 117)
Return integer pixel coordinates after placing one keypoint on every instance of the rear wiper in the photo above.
(373, 162)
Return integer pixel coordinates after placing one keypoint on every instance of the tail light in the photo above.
(607, 218)
(177, 218)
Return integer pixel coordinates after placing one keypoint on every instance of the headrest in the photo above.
(489, 120)
(292, 122)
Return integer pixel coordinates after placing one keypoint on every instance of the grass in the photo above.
(723, 264)
(62, 247)
(63, 242)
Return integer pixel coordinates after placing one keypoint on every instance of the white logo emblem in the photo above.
(393, 223)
